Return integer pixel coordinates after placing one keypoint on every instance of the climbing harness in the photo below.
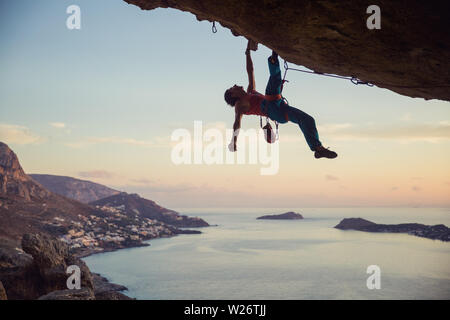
(269, 135)
(353, 80)
(268, 131)
(274, 98)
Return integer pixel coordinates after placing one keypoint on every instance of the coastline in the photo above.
(111, 289)
(35, 268)
(145, 271)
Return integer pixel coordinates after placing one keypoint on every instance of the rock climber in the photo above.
(271, 105)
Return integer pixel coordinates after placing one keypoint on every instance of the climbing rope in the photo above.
(214, 29)
(353, 79)
(356, 81)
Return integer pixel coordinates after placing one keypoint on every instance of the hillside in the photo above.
(80, 190)
(134, 204)
(28, 207)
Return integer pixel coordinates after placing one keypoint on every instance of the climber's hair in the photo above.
(229, 99)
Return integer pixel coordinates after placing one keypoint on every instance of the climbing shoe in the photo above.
(325, 153)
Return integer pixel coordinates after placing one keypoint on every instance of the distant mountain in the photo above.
(436, 232)
(80, 190)
(134, 204)
(27, 207)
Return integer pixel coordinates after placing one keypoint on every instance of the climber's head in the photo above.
(234, 94)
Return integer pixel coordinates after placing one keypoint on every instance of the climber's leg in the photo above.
(307, 124)
(273, 108)
(274, 84)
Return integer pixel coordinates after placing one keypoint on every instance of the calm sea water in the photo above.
(245, 258)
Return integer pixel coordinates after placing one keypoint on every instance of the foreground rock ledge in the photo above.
(2, 292)
(39, 272)
(409, 55)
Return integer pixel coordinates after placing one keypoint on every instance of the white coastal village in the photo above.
(115, 229)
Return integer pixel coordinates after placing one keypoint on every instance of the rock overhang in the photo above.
(409, 55)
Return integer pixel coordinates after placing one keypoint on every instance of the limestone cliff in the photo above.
(14, 181)
(409, 54)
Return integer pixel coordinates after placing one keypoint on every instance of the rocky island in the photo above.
(436, 232)
(284, 216)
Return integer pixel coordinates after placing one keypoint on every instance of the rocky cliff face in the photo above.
(409, 55)
(2, 292)
(14, 181)
(80, 190)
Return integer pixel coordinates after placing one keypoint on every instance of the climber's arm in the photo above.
(250, 73)
(236, 126)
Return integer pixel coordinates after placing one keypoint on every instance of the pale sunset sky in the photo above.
(101, 103)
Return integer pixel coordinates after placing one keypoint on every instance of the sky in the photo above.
(101, 104)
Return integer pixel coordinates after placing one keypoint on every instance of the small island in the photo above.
(284, 216)
(436, 232)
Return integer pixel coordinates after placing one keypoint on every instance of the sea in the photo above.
(241, 257)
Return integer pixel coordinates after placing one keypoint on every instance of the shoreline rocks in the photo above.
(3, 295)
(105, 290)
(74, 294)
